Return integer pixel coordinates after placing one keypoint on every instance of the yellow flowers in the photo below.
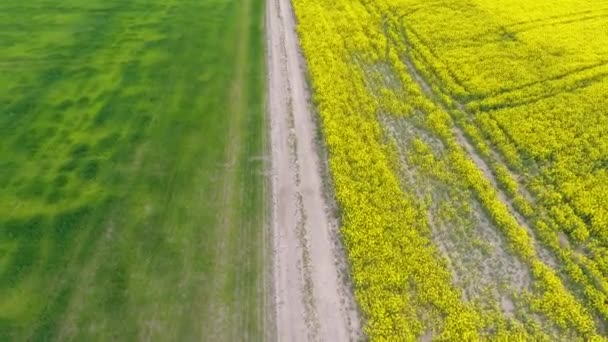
(361, 56)
(396, 269)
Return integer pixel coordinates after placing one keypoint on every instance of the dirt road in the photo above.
(312, 301)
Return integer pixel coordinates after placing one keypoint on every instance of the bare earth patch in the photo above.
(312, 302)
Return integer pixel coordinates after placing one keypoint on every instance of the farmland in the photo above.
(455, 188)
(132, 189)
(468, 147)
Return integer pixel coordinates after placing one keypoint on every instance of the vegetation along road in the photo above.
(132, 185)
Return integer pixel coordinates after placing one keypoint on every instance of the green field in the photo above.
(132, 191)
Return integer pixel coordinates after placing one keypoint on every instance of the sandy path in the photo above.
(311, 301)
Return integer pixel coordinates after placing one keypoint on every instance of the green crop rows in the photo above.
(129, 194)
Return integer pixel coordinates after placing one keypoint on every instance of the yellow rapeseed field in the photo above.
(479, 124)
